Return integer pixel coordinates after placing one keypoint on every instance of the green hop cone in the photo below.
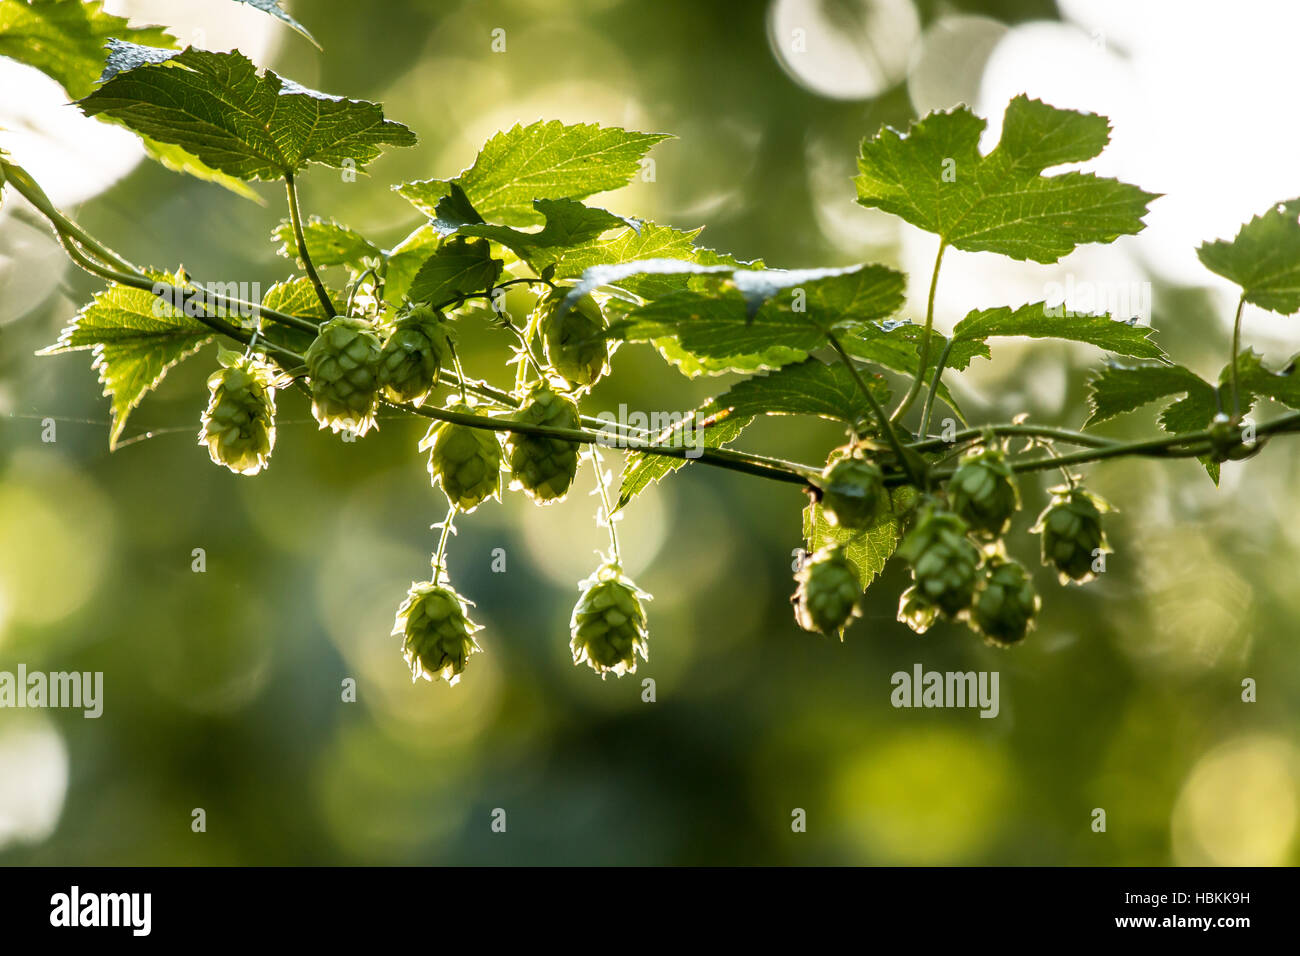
(609, 624)
(413, 355)
(437, 634)
(983, 492)
(239, 422)
(544, 467)
(575, 342)
(1006, 605)
(343, 364)
(945, 564)
(827, 597)
(915, 611)
(465, 461)
(852, 489)
(1072, 535)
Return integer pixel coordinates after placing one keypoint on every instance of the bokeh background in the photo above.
(223, 689)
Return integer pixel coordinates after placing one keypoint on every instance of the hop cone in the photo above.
(465, 461)
(413, 355)
(1071, 530)
(1006, 605)
(983, 492)
(544, 467)
(609, 623)
(436, 631)
(851, 490)
(916, 611)
(827, 597)
(944, 563)
(343, 364)
(239, 422)
(575, 342)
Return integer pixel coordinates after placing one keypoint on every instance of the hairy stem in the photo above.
(923, 360)
(295, 217)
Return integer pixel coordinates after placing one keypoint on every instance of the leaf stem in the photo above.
(885, 424)
(934, 387)
(447, 531)
(604, 502)
(295, 217)
(923, 358)
(1232, 364)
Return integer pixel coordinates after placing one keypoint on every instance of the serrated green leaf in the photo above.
(135, 337)
(568, 224)
(707, 426)
(868, 549)
(273, 8)
(170, 156)
(459, 267)
(545, 160)
(895, 346)
(185, 98)
(1263, 258)
(328, 243)
(1123, 387)
(1040, 321)
(650, 243)
(294, 296)
(404, 261)
(810, 387)
(64, 39)
(935, 177)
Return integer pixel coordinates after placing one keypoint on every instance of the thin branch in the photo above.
(1236, 350)
(876, 409)
(295, 217)
(923, 362)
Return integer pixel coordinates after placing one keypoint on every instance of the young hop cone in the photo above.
(575, 342)
(238, 425)
(945, 564)
(1007, 604)
(1072, 535)
(544, 467)
(852, 488)
(437, 633)
(827, 597)
(413, 355)
(609, 624)
(983, 492)
(916, 611)
(465, 461)
(343, 364)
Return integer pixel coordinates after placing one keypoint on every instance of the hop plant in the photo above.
(945, 564)
(343, 363)
(983, 492)
(413, 355)
(1072, 534)
(852, 489)
(437, 634)
(916, 611)
(575, 342)
(239, 422)
(826, 599)
(465, 461)
(608, 626)
(1007, 604)
(544, 467)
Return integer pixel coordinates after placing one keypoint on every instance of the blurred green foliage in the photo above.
(223, 689)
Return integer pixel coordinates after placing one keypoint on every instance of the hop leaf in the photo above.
(575, 342)
(945, 564)
(465, 461)
(343, 364)
(983, 491)
(413, 355)
(1072, 534)
(437, 633)
(609, 624)
(827, 597)
(852, 489)
(544, 467)
(1006, 605)
(239, 422)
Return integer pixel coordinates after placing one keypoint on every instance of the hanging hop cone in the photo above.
(916, 611)
(609, 624)
(1072, 535)
(437, 634)
(983, 492)
(544, 467)
(575, 342)
(343, 364)
(827, 597)
(239, 422)
(944, 563)
(465, 461)
(1007, 604)
(413, 355)
(852, 489)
